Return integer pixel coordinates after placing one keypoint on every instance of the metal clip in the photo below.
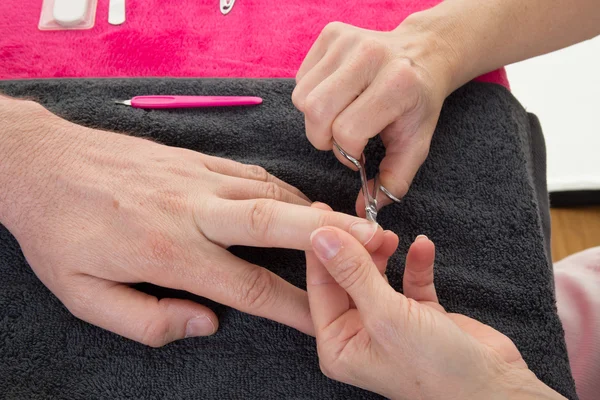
(226, 6)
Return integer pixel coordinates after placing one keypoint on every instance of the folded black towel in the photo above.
(480, 197)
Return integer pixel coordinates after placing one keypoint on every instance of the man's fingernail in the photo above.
(199, 326)
(363, 231)
(325, 243)
(421, 237)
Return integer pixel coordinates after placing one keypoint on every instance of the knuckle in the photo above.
(314, 108)
(257, 173)
(403, 75)
(218, 164)
(297, 97)
(332, 29)
(370, 48)
(257, 289)
(272, 191)
(155, 333)
(340, 127)
(261, 219)
(352, 270)
(344, 129)
(320, 141)
(324, 220)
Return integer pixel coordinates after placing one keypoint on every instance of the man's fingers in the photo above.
(248, 288)
(233, 188)
(269, 223)
(247, 171)
(349, 263)
(138, 316)
(418, 272)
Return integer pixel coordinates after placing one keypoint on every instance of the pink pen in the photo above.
(190, 101)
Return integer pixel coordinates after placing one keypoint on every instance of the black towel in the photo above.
(480, 196)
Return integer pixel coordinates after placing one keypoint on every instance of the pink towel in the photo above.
(187, 38)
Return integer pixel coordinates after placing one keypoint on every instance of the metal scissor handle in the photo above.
(370, 197)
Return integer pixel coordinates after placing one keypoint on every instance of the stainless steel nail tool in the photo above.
(370, 197)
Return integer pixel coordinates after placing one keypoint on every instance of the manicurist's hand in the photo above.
(95, 212)
(404, 346)
(355, 83)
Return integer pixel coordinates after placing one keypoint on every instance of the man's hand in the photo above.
(95, 212)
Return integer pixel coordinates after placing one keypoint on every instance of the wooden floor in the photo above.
(574, 229)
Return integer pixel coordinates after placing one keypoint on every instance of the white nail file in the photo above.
(116, 12)
(70, 12)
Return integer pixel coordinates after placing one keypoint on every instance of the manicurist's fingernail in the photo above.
(326, 243)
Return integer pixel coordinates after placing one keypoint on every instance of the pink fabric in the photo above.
(187, 38)
(578, 300)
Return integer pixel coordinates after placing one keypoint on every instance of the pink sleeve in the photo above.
(577, 280)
